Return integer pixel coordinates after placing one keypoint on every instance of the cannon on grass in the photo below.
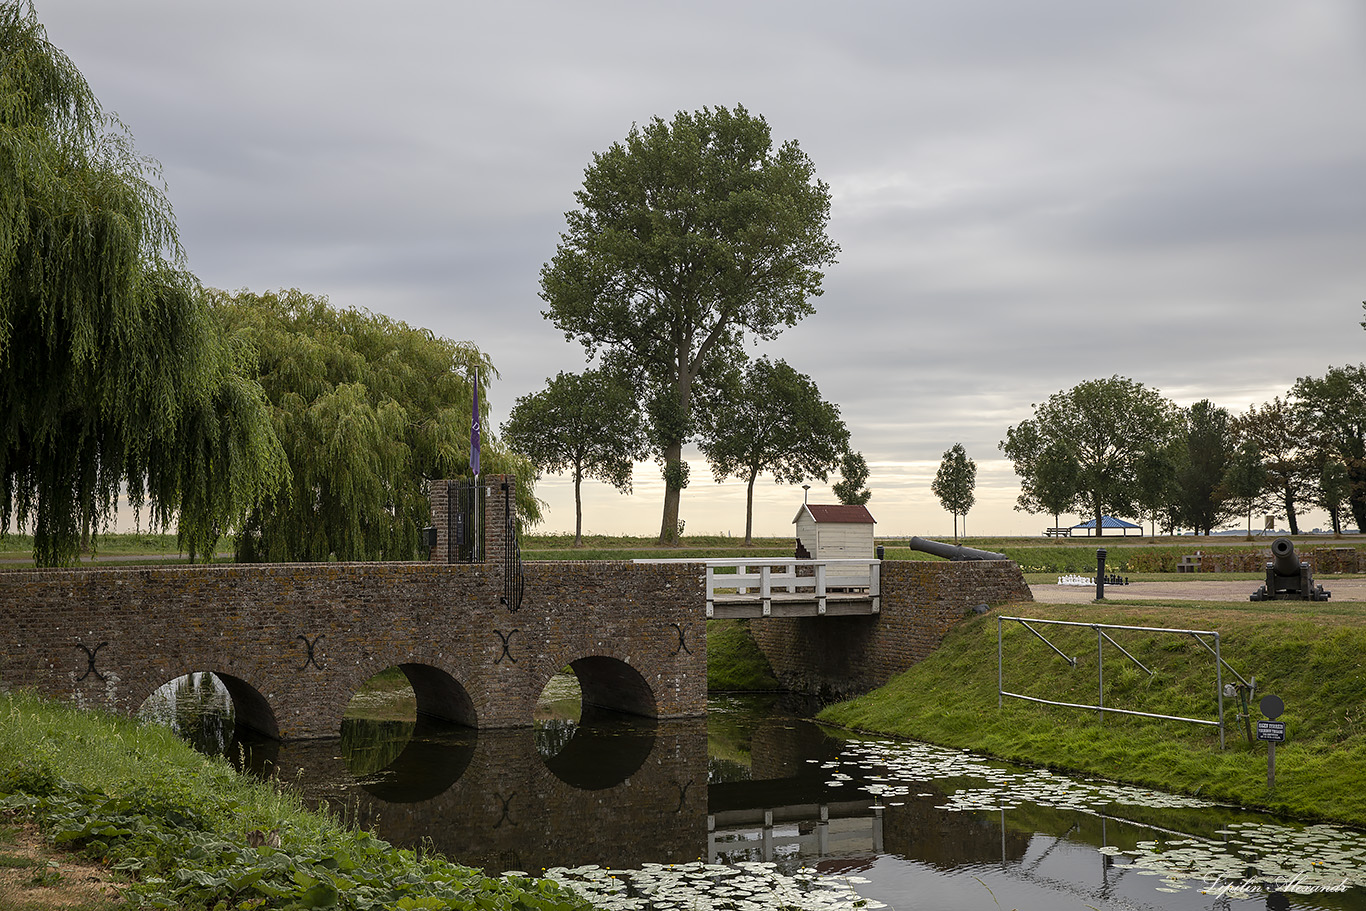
(1288, 578)
(955, 552)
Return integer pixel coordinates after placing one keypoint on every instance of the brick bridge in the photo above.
(293, 642)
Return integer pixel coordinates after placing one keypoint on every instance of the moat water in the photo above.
(756, 806)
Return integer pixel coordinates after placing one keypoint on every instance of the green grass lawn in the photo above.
(1312, 655)
(180, 826)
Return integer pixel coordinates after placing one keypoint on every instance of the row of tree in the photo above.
(1116, 447)
(306, 431)
(768, 419)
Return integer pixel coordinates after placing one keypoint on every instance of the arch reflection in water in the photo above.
(508, 810)
(601, 750)
(427, 759)
(407, 734)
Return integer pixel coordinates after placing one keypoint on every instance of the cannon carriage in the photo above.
(1288, 578)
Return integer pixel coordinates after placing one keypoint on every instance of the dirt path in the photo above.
(1342, 590)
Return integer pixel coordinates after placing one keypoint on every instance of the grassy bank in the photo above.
(734, 662)
(1311, 655)
(186, 831)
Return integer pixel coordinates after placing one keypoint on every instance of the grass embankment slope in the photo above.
(734, 662)
(1309, 654)
(179, 827)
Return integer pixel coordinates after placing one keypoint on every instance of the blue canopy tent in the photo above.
(1107, 523)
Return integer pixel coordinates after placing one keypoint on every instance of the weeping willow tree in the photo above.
(368, 409)
(111, 370)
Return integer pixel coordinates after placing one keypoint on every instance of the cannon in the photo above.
(955, 552)
(1288, 578)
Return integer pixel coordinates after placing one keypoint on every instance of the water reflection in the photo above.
(781, 800)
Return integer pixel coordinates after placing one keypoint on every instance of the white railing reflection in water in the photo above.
(1101, 639)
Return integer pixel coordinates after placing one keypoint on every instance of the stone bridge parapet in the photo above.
(293, 642)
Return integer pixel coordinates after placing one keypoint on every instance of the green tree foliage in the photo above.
(1334, 488)
(849, 490)
(1209, 443)
(1245, 479)
(1334, 409)
(1279, 432)
(1050, 481)
(774, 420)
(1155, 483)
(954, 483)
(689, 236)
(111, 372)
(1104, 425)
(368, 410)
(588, 425)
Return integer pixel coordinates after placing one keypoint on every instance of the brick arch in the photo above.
(251, 710)
(613, 684)
(440, 697)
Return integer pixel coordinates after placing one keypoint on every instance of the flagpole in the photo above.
(474, 469)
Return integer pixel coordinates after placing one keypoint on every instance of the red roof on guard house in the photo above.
(855, 515)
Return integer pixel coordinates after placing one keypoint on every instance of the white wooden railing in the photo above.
(788, 579)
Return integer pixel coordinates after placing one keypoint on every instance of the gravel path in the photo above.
(1342, 590)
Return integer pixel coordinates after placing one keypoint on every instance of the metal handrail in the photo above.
(1101, 638)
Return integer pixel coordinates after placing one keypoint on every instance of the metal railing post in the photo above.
(1100, 677)
(1000, 667)
(1219, 686)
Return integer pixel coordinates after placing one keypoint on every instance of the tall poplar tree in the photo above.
(111, 371)
(689, 236)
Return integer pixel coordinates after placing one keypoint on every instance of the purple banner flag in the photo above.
(474, 428)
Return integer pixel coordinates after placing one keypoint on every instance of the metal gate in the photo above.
(464, 522)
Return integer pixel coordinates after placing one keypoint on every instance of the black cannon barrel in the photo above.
(1284, 558)
(953, 551)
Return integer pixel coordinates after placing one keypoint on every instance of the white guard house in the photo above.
(836, 533)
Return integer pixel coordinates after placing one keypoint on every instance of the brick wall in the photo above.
(1320, 559)
(921, 602)
(293, 642)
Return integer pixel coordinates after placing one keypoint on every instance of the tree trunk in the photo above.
(1356, 497)
(673, 454)
(749, 510)
(668, 526)
(1290, 511)
(578, 508)
(955, 528)
(1335, 516)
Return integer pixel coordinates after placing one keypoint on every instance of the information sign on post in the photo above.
(1273, 732)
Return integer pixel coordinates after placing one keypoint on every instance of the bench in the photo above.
(1058, 532)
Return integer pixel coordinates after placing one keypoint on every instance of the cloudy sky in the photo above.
(1027, 194)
